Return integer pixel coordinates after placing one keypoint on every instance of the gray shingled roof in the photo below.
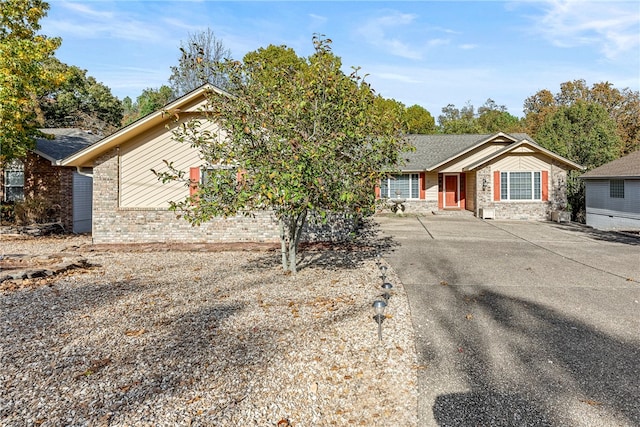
(624, 167)
(66, 142)
(432, 150)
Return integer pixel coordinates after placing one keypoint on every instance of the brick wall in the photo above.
(520, 209)
(51, 183)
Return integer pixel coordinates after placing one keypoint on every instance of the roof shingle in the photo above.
(627, 166)
(432, 150)
(66, 141)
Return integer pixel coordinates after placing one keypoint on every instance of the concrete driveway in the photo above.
(521, 323)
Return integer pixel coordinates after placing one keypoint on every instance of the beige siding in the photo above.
(475, 155)
(139, 187)
(471, 191)
(431, 187)
(522, 162)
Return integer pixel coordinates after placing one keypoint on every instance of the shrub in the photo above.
(33, 211)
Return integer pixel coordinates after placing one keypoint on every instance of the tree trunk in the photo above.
(290, 232)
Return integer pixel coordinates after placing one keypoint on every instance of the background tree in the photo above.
(623, 106)
(196, 65)
(458, 121)
(149, 101)
(585, 133)
(536, 108)
(23, 53)
(490, 118)
(304, 138)
(391, 108)
(80, 101)
(419, 121)
(494, 118)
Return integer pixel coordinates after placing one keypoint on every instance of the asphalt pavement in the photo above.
(520, 323)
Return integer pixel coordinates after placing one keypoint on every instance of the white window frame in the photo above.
(14, 166)
(414, 184)
(616, 188)
(505, 191)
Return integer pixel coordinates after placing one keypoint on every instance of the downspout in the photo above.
(87, 174)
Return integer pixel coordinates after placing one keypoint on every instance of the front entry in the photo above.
(451, 191)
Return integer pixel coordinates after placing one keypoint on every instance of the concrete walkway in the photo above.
(521, 323)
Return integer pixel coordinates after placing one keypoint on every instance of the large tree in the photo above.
(495, 118)
(23, 75)
(585, 133)
(199, 54)
(458, 121)
(80, 101)
(623, 106)
(418, 120)
(302, 138)
(489, 118)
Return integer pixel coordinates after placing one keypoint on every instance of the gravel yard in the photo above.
(149, 336)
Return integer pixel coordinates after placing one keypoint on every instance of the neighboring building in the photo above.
(493, 176)
(64, 191)
(612, 194)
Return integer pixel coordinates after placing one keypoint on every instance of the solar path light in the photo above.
(386, 286)
(383, 271)
(378, 307)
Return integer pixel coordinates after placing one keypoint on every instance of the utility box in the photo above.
(487, 213)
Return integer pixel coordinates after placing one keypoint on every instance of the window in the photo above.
(616, 189)
(520, 186)
(405, 186)
(14, 181)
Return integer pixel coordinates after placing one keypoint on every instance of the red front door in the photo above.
(451, 197)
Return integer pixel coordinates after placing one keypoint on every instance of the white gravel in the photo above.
(165, 338)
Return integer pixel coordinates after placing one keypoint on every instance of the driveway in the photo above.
(521, 323)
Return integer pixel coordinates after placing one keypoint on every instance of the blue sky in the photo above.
(430, 53)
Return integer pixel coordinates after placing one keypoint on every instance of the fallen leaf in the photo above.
(591, 402)
(469, 316)
(444, 283)
(135, 333)
(195, 399)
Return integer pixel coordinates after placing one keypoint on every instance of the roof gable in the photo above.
(522, 146)
(627, 166)
(433, 151)
(191, 102)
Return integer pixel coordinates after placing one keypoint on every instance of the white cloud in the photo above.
(317, 19)
(612, 27)
(85, 10)
(86, 22)
(403, 78)
(376, 32)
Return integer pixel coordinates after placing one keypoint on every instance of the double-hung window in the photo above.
(616, 188)
(404, 186)
(14, 181)
(520, 186)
